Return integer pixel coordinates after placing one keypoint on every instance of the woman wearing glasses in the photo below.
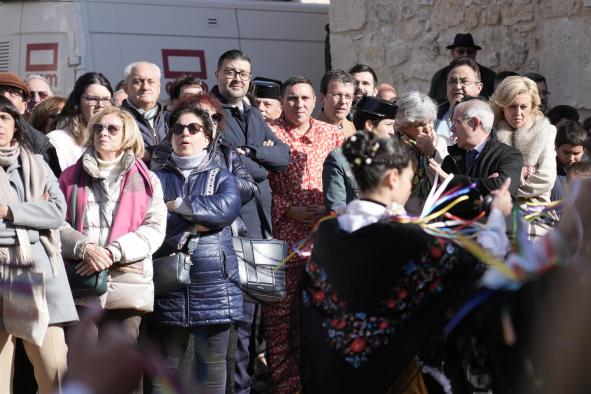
(92, 92)
(415, 124)
(116, 218)
(202, 200)
(520, 124)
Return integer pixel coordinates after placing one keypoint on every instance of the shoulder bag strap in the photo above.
(267, 233)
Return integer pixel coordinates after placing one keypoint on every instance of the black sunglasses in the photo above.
(179, 129)
(97, 128)
(216, 117)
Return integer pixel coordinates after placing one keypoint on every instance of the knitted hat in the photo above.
(12, 80)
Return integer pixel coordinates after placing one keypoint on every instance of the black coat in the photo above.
(152, 136)
(41, 145)
(249, 129)
(438, 89)
(496, 157)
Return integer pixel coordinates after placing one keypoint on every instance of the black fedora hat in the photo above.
(464, 40)
(377, 107)
(266, 88)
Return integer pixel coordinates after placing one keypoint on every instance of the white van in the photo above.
(64, 39)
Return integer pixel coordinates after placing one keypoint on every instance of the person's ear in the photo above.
(475, 122)
(368, 125)
(392, 178)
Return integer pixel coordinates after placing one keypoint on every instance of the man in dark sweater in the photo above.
(477, 154)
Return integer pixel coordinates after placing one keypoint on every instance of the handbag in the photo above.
(261, 262)
(171, 272)
(85, 286)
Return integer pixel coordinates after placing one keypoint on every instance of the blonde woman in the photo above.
(116, 216)
(92, 92)
(520, 124)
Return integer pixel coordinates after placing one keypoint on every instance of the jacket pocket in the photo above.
(223, 266)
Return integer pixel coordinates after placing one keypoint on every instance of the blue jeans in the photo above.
(211, 345)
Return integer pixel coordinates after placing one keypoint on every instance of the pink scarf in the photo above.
(134, 200)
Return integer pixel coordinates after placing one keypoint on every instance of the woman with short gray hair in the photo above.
(414, 124)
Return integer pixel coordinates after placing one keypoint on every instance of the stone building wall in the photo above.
(405, 41)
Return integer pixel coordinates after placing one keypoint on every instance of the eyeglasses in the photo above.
(341, 97)
(113, 130)
(462, 81)
(94, 100)
(216, 117)
(12, 92)
(179, 128)
(41, 94)
(232, 73)
(457, 121)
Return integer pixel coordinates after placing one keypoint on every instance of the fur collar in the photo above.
(530, 140)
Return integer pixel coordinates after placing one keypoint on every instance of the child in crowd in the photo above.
(571, 140)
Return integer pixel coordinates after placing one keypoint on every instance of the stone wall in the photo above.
(405, 41)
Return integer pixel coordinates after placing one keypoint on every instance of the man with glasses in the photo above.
(477, 154)
(463, 79)
(337, 91)
(15, 89)
(39, 90)
(463, 46)
(142, 86)
(261, 151)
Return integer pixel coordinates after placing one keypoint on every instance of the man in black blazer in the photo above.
(477, 154)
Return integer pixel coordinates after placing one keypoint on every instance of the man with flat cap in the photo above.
(463, 46)
(267, 95)
(372, 115)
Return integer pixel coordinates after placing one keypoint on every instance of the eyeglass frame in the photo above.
(341, 96)
(233, 73)
(464, 84)
(96, 99)
(179, 128)
(12, 91)
(97, 131)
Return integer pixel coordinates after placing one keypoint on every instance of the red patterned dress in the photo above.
(300, 184)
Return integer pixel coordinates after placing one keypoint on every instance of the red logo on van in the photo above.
(41, 57)
(179, 62)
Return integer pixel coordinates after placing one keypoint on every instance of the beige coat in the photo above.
(536, 143)
(126, 290)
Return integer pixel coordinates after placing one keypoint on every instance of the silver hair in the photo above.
(131, 66)
(480, 109)
(37, 76)
(414, 106)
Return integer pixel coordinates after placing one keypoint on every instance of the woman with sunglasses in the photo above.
(203, 200)
(116, 218)
(92, 92)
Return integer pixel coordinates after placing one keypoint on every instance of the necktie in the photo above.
(471, 156)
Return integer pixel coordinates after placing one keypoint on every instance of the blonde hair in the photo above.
(507, 90)
(132, 138)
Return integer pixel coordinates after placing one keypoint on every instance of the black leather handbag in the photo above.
(261, 263)
(85, 286)
(171, 272)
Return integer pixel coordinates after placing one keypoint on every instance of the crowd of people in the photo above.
(97, 185)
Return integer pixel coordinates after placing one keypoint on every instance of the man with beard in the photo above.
(366, 81)
(336, 95)
(261, 151)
